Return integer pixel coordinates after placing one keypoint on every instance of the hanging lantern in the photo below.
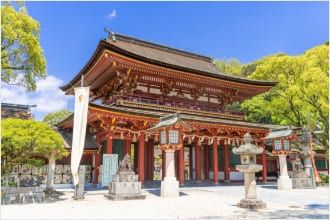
(134, 138)
(226, 142)
(121, 135)
(237, 142)
(146, 138)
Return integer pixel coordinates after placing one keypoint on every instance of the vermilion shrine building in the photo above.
(133, 83)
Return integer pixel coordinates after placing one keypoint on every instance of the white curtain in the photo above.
(79, 129)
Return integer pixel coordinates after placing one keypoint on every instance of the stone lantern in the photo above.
(280, 140)
(249, 167)
(170, 129)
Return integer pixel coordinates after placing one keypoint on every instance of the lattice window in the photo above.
(277, 145)
(286, 144)
(163, 137)
(173, 136)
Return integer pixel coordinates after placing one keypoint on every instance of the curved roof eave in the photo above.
(103, 44)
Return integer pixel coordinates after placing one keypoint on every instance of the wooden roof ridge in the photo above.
(113, 36)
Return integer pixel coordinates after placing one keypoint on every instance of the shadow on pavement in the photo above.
(317, 206)
(156, 192)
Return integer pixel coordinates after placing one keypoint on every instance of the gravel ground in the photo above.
(210, 202)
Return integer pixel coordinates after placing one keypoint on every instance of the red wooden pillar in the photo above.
(97, 161)
(97, 167)
(215, 162)
(141, 158)
(136, 148)
(190, 163)
(198, 162)
(264, 164)
(206, 162)
(226, 162)
(109, 143)
(181, 162)
(149, 159)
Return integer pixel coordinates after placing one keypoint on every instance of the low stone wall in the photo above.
(10, 195)
(303, 183)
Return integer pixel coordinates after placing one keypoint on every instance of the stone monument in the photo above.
(302, 175)
(249, 167)
(80, 187)
(125, 184)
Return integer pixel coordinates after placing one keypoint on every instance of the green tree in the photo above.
(229, 66)
(56, 117)
(21, 54)
(26, 141)
(302, 89)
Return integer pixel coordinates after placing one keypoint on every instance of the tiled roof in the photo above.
(67, 134)
(188, 117)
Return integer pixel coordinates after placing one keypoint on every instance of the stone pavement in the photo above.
(195, 202)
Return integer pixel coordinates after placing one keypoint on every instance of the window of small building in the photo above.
(277, 145)
(286, 144)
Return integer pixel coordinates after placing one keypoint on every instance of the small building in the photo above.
(16, 111)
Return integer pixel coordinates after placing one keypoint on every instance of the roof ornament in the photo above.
(111, 35)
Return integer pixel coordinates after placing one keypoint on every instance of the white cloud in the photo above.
(112, 15)
(48, 97)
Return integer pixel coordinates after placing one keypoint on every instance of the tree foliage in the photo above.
(229, 66)
(26, 141)
(56, 117)
(21, 54)
(302, 90)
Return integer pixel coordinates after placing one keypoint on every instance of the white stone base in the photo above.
(284, 183)
(169, 187)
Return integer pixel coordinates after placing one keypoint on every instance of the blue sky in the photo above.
(247, 31)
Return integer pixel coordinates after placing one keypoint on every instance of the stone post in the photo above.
(79, 189)
(51, 172)
(284, 182)
(169, 186)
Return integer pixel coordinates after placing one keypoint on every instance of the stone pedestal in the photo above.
(169, 186)
(249, 167)
(283, 182)
(125, 184)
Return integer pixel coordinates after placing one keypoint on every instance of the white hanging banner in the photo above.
(79, 129)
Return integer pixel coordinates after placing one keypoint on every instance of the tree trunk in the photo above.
(51, 171)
